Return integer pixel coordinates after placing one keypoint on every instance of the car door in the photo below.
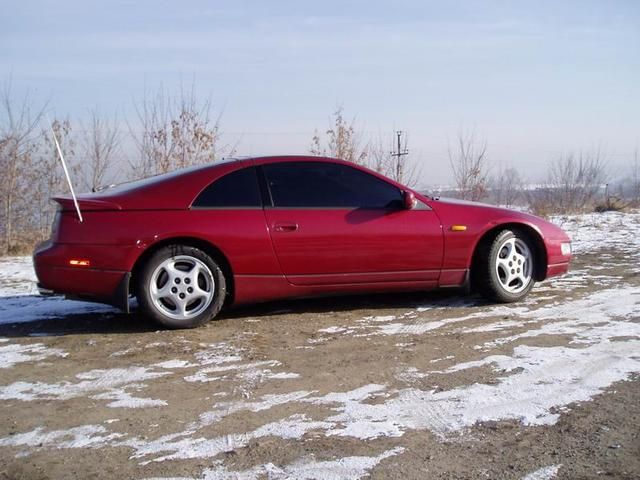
(331, 223)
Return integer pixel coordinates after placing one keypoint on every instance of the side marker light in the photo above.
(79, 262)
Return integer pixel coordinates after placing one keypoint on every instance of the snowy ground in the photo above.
(411, 386)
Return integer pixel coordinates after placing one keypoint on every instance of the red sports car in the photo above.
(189, 242)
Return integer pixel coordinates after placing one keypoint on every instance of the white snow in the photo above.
(293, 427)
(594, 231)
(224, 409)
(307, 468)
(333, 330)
(380, 318)
(17, 277)
(410, 375)
(78, 437)
(249, 372)
(94, 382)
(492, 327)
(448, 357)
(216, 354)
(577, 317)
(122, 399)
(545, 473)
(18, 353)
(418, 326)
(171, 364)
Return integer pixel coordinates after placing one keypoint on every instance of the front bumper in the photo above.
(558, 256)
(557, 269)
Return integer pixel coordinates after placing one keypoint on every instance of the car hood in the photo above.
(482, 215)
(471, 204)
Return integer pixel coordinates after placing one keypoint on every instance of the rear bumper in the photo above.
(55, 276)
(45, 292)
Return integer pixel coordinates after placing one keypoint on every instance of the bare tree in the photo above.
(575, 180)
(18, 127)
(175, 132)
(47, 175)
(379, 153)
(382, 160)
(100, 144)
(572, 185)
(342, 141)
(468, 160)
(507, 187)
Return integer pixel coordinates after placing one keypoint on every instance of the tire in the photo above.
(505, 266)
(181, 287)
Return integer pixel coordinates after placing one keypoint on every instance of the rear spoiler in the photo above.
(86, 204)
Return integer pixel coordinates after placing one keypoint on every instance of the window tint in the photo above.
(316, 184)
(236, 189)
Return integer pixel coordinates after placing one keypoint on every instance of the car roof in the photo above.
(177, 189)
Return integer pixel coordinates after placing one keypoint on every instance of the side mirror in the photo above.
(409, 200)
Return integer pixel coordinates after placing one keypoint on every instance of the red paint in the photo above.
(354, 246)
(275, 253)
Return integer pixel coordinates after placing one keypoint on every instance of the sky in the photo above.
(535, 80)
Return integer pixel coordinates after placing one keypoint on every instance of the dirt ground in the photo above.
(355, 387)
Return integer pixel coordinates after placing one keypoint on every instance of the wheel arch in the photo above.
(207, 247)
(540, 250)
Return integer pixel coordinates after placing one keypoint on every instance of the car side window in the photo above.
(330, 185)
(238, 189)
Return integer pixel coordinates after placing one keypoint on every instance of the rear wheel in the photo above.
(181, 287)
(505, 267)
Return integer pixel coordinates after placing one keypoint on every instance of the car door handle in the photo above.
(285, 227)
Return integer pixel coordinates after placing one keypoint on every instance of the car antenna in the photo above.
(66, 172)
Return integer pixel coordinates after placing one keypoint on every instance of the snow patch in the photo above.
(492, 327)
(448, 357)
(86, 436)
(308, 468)
(333, 330)
(579, 317)
(410, 375)
(173, 447)
(17, 277)
(545, 473)
(15, 353)
(592, 232)
(171, 364)
(266, 402)
(112, 382)
(122, 399)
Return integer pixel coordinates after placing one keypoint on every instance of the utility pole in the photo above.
(399, 170)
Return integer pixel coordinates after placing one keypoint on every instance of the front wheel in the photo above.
(505, 267)
(181, 287)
